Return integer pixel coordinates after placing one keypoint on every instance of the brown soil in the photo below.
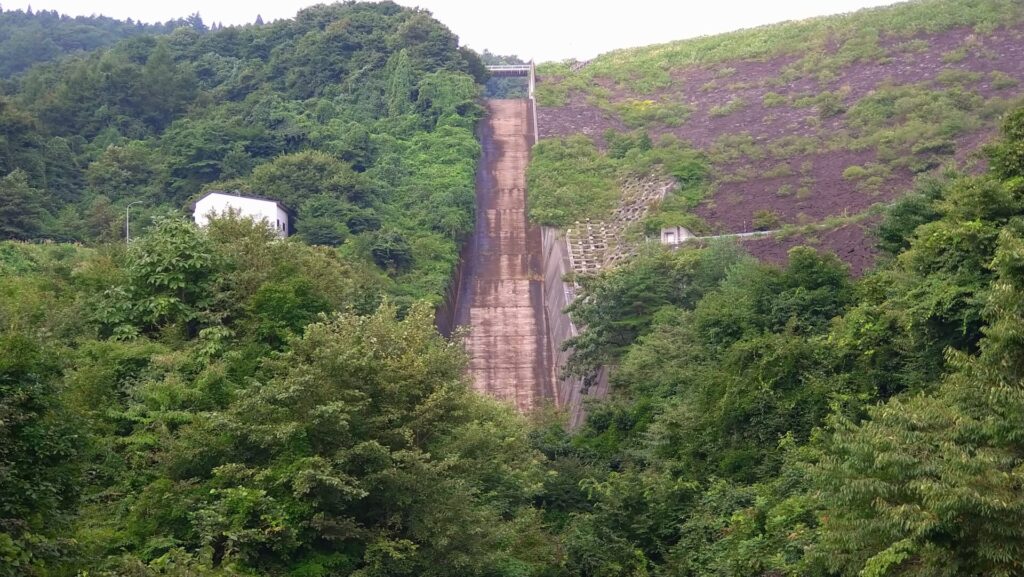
(852, 242)
(732, 206)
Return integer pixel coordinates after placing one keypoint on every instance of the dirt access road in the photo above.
(501, 299)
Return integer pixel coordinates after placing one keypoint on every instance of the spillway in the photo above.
(501, 296)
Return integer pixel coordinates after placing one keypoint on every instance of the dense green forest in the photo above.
(358, 116)
(216, 402)
(28, 38)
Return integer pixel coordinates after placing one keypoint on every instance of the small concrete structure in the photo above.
(673, 235)
(274, 214)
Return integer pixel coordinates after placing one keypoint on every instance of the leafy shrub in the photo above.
(957, 77)
(779, 170)
(1001, 80)
(830, 104)
(855, 172)
(773, 100)
(954, 56)
(648, 113)
(765, 219)
(935, 146)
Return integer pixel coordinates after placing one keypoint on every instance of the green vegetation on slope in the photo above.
(571, 180)
(792, 421)
(358, 116)
(803, 121)
(644, 69)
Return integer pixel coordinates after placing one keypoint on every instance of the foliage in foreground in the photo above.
(794, 422)
(221, 402)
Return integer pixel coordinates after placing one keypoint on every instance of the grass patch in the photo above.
(894, 119)
(778, 171)
(957, 77)
(1001, 80)
(915, 46)
(766, 220)
(570, 179)
(734, 105)
(773, 100)
(649, 113)
(869, 177)
(955, 55)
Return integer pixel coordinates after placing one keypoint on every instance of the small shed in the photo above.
(673, 235)
(214, 204)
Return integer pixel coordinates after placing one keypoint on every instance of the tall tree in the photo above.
(21, 207)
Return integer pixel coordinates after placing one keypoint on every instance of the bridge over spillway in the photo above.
(528, 71)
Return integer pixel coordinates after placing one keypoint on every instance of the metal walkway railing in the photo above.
(511, 69)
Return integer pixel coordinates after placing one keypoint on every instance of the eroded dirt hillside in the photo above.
(810, 123)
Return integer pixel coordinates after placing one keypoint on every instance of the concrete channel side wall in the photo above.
(571, 391)
(444, 315)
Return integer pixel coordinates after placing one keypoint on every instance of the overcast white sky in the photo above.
(541, 29)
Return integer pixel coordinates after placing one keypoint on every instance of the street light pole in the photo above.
(127, 220)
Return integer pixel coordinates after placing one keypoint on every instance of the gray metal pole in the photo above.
(127, 221)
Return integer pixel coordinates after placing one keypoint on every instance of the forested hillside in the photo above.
(810, 127)
(218, 402)
(196, 404)
(28, 38)
(358, 116)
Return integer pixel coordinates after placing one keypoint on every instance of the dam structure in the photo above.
(509, 292)
(501, 298)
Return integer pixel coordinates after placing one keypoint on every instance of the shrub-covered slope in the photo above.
(814, 121)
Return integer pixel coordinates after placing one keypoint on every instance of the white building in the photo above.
(673, 235)
(271, 212)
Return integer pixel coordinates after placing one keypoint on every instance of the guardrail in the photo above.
(524, 68)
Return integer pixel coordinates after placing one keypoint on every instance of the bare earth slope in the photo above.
(827, 119)
(503, 301)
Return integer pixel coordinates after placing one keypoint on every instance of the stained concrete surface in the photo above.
(501, 297)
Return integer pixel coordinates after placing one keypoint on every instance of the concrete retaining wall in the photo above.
(571, 391)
